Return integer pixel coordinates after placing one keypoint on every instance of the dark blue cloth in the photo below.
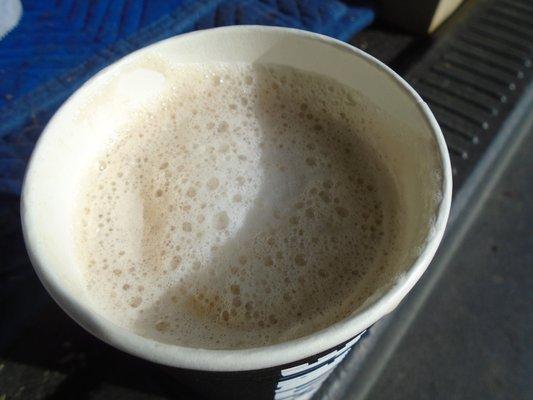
(59, 44)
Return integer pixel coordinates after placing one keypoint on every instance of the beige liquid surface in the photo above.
(242, 209)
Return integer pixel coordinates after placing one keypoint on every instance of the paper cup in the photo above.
(416, 152)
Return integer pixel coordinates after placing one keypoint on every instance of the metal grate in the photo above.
(473, 77)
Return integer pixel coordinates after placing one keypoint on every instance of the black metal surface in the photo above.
(473, 77)
(471, 74)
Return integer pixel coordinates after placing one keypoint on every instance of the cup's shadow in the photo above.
(259, 216)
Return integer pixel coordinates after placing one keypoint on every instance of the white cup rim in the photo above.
(282, 353)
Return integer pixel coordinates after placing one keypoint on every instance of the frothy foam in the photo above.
(243, 209)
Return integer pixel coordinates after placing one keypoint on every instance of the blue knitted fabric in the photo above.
(59, 44)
